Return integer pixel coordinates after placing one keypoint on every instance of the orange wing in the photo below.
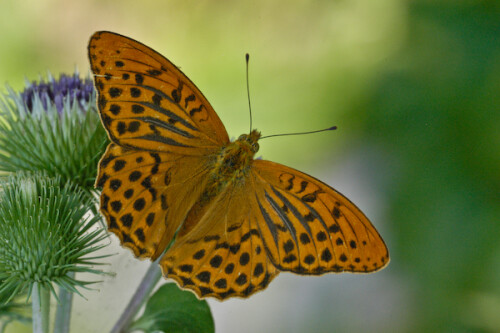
(147, 103)
(163, 132)
(223, 255)
(232, 238)
(145, 195)
(309, 228)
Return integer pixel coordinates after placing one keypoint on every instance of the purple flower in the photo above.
(55, 92)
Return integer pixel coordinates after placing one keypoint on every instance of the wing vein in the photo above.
(269, 222)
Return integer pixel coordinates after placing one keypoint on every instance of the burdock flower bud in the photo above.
(53, 126)
(46, 234)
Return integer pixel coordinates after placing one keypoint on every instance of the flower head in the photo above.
(45, 234)
(67, 87)
(53, 126)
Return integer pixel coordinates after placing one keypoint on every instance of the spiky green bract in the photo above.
(57, 132)
(45, 234)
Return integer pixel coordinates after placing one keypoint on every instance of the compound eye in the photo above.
(255, 147)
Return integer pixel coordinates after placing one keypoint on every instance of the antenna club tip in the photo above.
(247, 56)
(332, 128)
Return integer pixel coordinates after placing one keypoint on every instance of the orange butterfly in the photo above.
(171, 172)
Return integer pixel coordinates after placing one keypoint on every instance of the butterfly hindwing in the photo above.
(309, 228)
(144, 193)
(147, 103)
(224, 255)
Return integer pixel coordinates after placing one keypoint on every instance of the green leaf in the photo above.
(172, 310)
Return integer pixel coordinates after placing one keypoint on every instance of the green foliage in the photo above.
(173, 310)
(45, 234)
(436, 115)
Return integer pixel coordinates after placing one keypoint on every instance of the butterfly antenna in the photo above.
(300, 133)
(247, 58)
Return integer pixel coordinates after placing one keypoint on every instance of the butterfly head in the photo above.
(249, 141)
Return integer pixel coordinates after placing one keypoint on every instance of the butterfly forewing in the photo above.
(309, 228)
(145, 194)
(147, 103)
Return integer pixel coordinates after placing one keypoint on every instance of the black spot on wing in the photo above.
(192, 112)
(186, 268)
(177, 93)
(309, 259)
(221, 284)
(229, 268)
(288, 246)
(211, 238)
(244, 258)
(115, 184)
(102, 180)
(198, 255)
(153, 72)
(311, 197)
(115, 109)
(137, 109)
(119, 164)
(140, 235)
(303, 185)
(290, 183)
(241, 279)
(188, 99)
(150, 219)
(204, 276)
(135, 175)
(258, 270)
(139, 79)
(115, 92)
(336, 212)
(135, 92)
(216, 261)
(105, 161)
(127, 220)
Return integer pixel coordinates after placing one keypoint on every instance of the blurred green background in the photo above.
(414, 88)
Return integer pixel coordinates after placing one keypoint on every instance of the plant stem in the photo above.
(149, 281)
(4, 325)
(63, 313)
(40, 299)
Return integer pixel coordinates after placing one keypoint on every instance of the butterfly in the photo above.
(175, 187)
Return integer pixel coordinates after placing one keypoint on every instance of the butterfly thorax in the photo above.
(229, 167)
(232, 163)
(235, 159)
